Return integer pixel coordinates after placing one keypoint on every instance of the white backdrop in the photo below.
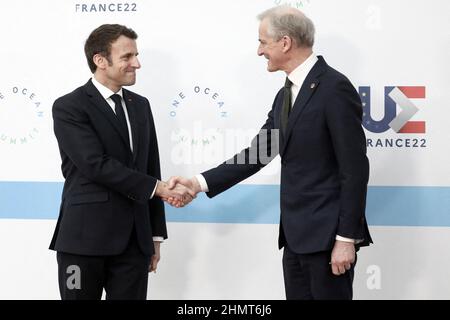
(209, 91)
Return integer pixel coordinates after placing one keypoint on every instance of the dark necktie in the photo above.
(286, 108)
(120, 114)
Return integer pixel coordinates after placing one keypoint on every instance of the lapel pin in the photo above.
(129, 100)
(313, 85)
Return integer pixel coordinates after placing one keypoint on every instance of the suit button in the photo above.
(363, 220)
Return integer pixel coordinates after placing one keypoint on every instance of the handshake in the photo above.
(178, 191)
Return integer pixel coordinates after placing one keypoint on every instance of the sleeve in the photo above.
(156, 205)
(343, 115)
(263, 148)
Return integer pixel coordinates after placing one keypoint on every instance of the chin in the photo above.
(130, 82)
(271, 68)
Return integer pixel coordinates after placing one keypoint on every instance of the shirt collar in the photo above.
(105, 91)
(298, 75)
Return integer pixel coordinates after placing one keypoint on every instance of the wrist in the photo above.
(196, 185)
(161, 189)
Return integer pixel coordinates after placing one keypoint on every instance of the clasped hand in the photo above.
(178, 191)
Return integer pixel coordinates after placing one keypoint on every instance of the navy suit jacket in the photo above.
(107, 186)
(324, 168)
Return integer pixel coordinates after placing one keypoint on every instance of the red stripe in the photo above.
(413, 92)
(413, 127)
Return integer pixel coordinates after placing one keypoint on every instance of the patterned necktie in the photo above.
(120, 114)
(286, 108)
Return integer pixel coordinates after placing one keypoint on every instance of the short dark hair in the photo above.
(101, 39)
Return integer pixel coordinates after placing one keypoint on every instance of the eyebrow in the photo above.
(129, 54)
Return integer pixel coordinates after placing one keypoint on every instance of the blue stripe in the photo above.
(386, 206)
(30, 200)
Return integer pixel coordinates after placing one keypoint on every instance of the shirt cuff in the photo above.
(202, 182)
(154, 190)
(158, 239)
(338, 237)
(355, 241)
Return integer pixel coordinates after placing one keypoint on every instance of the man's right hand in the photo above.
(179, 194)
(174, 182)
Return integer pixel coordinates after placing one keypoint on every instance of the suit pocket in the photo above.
(84, 181)
(92, 197)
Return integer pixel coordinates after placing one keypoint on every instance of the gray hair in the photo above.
(287, 21)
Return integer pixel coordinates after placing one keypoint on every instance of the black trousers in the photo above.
(124, 276)
(309, 277)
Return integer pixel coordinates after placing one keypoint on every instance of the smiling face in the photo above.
(119, 69)
(271, 49)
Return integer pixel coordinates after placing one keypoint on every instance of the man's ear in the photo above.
(287, 43)
(100, 61)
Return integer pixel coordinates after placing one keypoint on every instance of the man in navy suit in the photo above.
(324, 168)
(111, 219)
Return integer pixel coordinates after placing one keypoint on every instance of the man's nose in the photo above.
(136, 64)
(260, 51)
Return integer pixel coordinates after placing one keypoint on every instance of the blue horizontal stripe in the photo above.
(386, 206)
(30, 200)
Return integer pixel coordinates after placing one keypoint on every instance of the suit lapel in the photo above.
(100, 103)
(132, 115)
(307, 90)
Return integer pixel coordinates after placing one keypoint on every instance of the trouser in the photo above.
(123, 276)
(309, 277)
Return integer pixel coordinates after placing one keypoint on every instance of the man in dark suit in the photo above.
(324, 168)
(111, 219)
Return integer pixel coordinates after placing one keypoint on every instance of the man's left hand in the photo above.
(342, 257)
(155, 257)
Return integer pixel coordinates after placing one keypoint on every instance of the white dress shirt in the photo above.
(299, 74)
(106, 94)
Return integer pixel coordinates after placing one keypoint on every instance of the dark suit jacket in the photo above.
(324, 168)
(107, 187)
